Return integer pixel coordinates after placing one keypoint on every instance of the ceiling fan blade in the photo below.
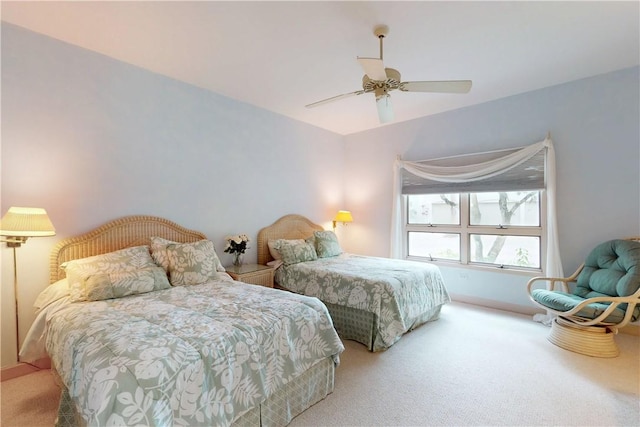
(385, 109)
(449, 86)
(334, 98)
(373, 68)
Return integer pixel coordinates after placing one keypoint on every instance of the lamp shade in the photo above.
(26, 222)
(343, 216)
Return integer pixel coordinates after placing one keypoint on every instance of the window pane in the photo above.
(434, 209)
(506, 208)
(517, 251)
(434, 245)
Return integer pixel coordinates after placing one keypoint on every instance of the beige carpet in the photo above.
(473, 367)
(29, 401)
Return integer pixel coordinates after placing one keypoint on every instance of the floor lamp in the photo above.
(16, 226)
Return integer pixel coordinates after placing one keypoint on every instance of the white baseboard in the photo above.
(21, 369)
(15, 371)
(498, 305)
(631, 329)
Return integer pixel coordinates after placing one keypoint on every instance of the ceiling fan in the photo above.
(381, 81)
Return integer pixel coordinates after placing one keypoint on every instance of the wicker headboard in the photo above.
(288, 227)
(114, 235)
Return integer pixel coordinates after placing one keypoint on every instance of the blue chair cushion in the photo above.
(611, 269)
(562, 301)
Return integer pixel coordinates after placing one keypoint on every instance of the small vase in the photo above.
(237, 259)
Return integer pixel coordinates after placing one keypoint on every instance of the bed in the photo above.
(214, 353)
(371, 300)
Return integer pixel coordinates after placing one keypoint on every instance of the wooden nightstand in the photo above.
(255, 274)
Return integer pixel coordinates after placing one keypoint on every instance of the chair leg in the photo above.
(593, 341)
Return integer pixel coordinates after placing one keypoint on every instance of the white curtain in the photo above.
(480, 171)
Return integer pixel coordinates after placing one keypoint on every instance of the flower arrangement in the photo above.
(236, 245)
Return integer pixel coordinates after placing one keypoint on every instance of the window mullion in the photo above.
(464, 228)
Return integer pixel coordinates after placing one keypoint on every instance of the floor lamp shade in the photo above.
(26, 222)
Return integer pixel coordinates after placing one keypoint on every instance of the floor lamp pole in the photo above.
(15, 294)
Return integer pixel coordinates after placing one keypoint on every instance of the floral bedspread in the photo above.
(399, 292)
(189, 355)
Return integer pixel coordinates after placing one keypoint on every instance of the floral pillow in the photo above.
(159, 253)
(311, 240)
(294, 252)
(128, 260)
(275, 254)
(192, 263)
(121, 284)
(327, 244)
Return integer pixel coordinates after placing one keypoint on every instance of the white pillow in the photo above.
(51, 293)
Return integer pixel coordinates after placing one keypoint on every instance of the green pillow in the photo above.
(294, 252)
(192, 263)
(159, 253)
(327, 244)
(122, 261)
(121, 284)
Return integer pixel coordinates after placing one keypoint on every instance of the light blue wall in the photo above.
(92, 139)
(594, 124)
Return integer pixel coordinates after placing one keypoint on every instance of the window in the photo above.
(495, 209)
(499, 229)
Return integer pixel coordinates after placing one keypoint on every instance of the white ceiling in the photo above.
(283, 55)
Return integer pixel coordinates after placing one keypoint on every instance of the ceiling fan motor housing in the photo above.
(392, 82)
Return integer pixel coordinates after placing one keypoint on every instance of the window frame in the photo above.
(465, 230)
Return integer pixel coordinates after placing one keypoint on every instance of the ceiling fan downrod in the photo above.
(381, 32)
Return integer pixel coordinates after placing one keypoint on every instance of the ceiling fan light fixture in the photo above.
(385, 109)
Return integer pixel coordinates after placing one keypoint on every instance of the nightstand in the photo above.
(255, 274)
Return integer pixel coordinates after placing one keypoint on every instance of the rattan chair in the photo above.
(605, 297)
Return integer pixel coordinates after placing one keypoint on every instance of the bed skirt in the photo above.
(354, 324)
(278, 409)
(361, 326)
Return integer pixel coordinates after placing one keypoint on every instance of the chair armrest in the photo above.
(564, 281)
(551, 286)
(614, 302)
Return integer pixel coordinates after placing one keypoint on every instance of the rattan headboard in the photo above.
(288, 227)
(114, 235)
